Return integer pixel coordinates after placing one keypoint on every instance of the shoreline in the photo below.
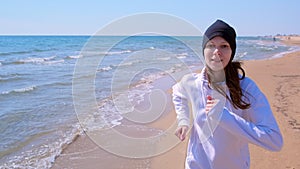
(278, 78)
(85, 153)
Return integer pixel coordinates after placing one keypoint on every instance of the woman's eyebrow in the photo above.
(224, 42)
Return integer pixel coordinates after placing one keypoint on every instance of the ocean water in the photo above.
(37, 114)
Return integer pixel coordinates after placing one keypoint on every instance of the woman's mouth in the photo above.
(216, 60)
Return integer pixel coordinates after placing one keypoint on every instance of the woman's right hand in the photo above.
(181, 132)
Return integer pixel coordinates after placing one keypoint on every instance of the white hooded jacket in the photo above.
(219, 139)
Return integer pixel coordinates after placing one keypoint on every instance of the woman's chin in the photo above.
(216, 67)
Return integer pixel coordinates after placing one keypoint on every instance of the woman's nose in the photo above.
(217, 51)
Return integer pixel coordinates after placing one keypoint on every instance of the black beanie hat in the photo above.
(220, 28)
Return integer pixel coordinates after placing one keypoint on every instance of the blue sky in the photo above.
(69, 17)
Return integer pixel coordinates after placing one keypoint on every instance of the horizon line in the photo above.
(140, 35)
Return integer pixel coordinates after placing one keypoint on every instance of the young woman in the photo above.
(229, 109)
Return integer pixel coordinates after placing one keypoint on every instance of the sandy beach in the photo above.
(278, 78)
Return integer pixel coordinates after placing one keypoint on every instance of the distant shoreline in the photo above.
(289, 39)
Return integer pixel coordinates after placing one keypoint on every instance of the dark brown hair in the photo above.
(237, 95)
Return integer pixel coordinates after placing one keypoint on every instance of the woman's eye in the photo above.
(210, 46)
(224, 46)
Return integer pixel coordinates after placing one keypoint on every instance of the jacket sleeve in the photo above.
(180, 101)
(260, 128)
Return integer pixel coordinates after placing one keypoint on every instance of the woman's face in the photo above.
(217, 53)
